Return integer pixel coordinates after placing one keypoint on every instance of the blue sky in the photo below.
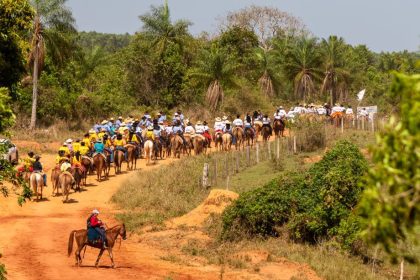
(382, 25)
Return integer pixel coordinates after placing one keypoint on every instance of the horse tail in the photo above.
(70, 245)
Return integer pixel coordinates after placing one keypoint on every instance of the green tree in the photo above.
(215, 69)
(336, 75)
(390, 204)
(268, 68)
(15, 22)
(303, 67)
(158, 27)
(52, 26)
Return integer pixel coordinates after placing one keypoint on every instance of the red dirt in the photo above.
(33, 240)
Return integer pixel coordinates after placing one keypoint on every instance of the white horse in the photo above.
(37, 183)
(148, 150)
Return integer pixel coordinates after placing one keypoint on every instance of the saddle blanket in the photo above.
(93, 235)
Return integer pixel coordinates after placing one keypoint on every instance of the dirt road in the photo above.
(33, 240)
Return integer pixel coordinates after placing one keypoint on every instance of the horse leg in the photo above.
(99, 257)
(112, 257)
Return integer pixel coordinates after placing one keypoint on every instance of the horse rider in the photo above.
(238, 122)
(37, 168)
(77, 161)
(228, 129)
(108, 146)
(134, 140)
(267, 123)
(248, 124)
(65, 149)
(69, 144)
(207, 133)
(99, 147)
(349, 111)
(84, 150)
(336, 111)
(119, 144)
(98, 226)
(177, 129)
(280, 114)
(76, 146)
(218, 126)
(28, 163)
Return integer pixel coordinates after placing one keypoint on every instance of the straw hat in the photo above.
(69, 141)
(92, 131)
(104, 122)
(224, 118)
(199, 123)
(218, 119)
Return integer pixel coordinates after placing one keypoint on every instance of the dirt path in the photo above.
(33, 240)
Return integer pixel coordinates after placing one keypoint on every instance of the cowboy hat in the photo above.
(227, 122)
(95, 211)
(92, 131)
(69, 141)
(224, 118)
(104, 122)
(176, 114)
(281, 107)
(199, 123)
(120, 118)
(150, 127)
(111, 119)
(218, 119)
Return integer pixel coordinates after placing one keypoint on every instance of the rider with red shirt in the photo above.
(98, 225)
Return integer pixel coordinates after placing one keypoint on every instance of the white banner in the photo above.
(361, 94)
(369, 109)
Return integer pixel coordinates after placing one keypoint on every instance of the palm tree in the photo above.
(302, 65)
(53, 22)
(266, 64)
(215, 69)
(334, 62)
(158, 27)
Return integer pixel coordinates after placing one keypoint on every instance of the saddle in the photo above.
(104, 156)
(88, 158)
(94, 238)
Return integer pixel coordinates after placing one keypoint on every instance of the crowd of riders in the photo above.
(111, 134)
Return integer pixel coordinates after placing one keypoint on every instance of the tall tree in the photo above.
(215, 69)
(158, 27)
(303, 67)
(267, 67)
(52, 24)
(336, 75)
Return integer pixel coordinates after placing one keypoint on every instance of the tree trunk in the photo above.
(35, 88)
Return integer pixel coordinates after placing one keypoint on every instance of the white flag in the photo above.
(361, 94)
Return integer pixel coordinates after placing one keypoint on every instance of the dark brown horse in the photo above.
(218, 141)
(249, 137)
(199, 144)
(118, 160)
(78, 173)
(82, 242)
(54, 179)
(157, 149)
(266, 133)
(99, 162)
(278, 127)
(188, 143)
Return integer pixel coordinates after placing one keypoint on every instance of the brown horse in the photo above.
(177, 144)
(199, 143)
(82, 241)
(55, 173)
(158, 149)
(65, 180)
(249, 137)
(118, 160)
(265, 133)
(278, 127)
(238, 133)
(258, 125)
(78, 173)
(227, 141)
(188, 143)
(99, 162)
(336, 118)
(218, 141)
(87, 164)
(132, 159)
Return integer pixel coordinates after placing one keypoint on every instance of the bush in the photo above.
(313, 205)
(310, 135)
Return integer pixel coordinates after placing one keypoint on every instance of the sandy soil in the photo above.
(33, 240)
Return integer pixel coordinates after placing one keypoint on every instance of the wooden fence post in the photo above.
(237, 162)
(205, 180)
(258, 152)
(269, 150)
(294, 144)
(342, 125)
(278, 148)
(247, 155)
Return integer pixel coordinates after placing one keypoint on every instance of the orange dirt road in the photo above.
(33, 239)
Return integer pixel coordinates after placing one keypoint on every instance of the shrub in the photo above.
(312, 205)
(310, 135)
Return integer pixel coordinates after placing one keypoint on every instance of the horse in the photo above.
(265, 133)
(118, 160)
(157, 149)
(65, 180)
(87, 164)
(218, 141)
(148, 150)
(55, 173)
(132, 159)
(177, 144)
(199, 144)
(166, 143)
(278, 127)
(227, 141)
(336, 118)
(82, 241)
(99, 162)
(249, 137)
(258, 125)
(108, 162)
(37, 183)
(78, 174)
(188, 143)
(238, 133)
